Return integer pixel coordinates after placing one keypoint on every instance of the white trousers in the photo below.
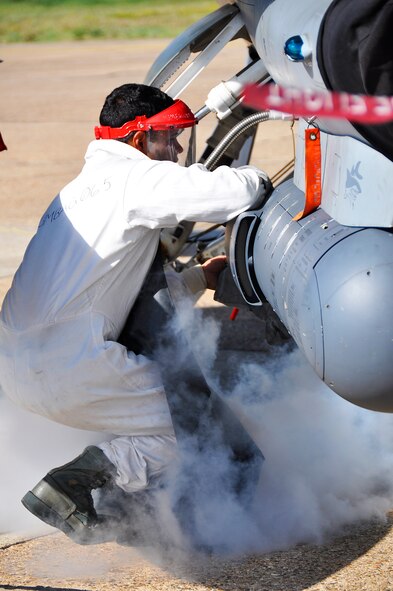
(139, 460)
(70, 374)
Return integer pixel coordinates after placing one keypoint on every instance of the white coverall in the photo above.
(79, 278)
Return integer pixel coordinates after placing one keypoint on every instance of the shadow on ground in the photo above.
(295, 569)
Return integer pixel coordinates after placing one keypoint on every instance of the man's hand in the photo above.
(212, 269)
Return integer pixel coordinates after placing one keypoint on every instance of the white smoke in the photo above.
(327, 464)
(30, 446)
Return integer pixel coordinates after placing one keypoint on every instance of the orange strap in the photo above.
(313, 172)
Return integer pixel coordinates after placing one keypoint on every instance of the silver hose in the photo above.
(233, 134)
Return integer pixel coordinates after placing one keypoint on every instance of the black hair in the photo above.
(132, 100)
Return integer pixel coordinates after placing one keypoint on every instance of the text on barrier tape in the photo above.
(360, 108)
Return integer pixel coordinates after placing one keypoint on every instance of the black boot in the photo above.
(63, 497)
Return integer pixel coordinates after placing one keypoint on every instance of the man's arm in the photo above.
(162, 194)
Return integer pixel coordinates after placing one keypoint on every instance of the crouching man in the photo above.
(79, 279)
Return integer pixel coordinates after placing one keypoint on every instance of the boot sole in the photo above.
(56, 509)
(45, 513)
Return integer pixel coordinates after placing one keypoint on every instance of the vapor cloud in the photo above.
(30, 446)
(327, 462)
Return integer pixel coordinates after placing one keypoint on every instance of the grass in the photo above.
(60, 20)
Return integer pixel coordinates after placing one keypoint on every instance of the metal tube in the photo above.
(233, 134)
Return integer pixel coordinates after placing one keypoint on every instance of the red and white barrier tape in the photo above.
(359, 108)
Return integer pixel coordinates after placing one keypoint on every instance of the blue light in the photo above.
(293, 48)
